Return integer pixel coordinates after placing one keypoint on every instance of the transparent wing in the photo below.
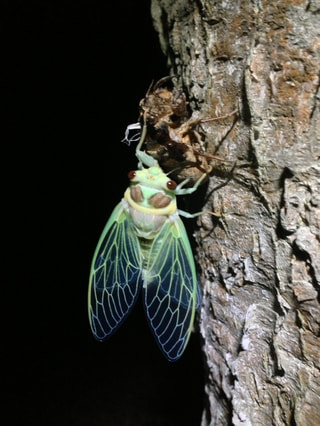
(170, 288)
(114, 277)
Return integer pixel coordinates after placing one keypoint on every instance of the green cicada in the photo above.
(144, 246)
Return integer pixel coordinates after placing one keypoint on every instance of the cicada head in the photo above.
(154, 178)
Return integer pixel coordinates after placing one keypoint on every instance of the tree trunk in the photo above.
(260, 262)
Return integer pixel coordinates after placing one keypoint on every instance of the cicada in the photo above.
(144, 248)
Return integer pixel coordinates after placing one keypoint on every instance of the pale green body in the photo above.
(145, 246)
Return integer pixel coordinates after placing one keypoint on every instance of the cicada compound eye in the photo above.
(132, 174)
(171, 184)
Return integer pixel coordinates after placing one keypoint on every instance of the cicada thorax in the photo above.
(158, 200)
(151, 200)
(148, 213)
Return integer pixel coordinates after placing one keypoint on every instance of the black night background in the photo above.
(74, 73)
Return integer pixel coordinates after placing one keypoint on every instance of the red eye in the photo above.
(171, 184)
(132, 174)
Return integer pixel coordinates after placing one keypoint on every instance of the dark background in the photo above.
(74, 72)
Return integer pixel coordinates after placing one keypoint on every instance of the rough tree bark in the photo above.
(260, 263)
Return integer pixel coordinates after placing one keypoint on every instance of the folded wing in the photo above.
(170, 289)
(114, 277)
